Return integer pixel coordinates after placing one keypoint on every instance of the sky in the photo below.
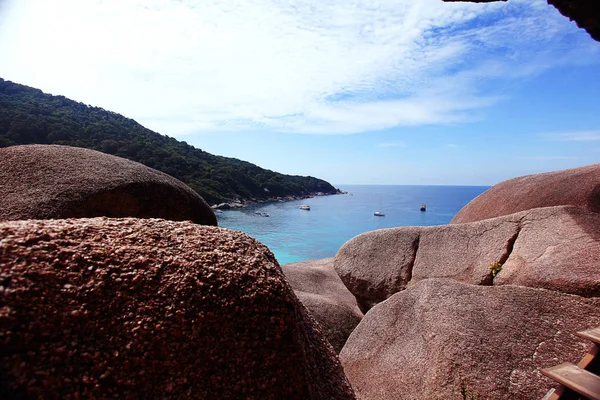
(354, 92)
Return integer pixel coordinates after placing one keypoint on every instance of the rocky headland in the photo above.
(66, 122)
(243, 203)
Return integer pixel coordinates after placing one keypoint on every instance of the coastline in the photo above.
(241, 203)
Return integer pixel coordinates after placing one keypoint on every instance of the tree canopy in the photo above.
(30, 116)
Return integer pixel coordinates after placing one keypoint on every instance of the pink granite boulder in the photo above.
(464, 252)
(577, 187)
(374, 265)
(555, 248)
(441, 339)
(377, 264)
(49, 181)
(151, 309)
(322, 291)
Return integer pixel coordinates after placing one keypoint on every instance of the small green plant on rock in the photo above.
(496, 268)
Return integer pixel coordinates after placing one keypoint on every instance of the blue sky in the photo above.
(381, 92)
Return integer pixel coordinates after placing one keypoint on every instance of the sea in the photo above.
(296, 235)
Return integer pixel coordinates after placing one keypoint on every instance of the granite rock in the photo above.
(555, 248)
(147, 309)
(441, 339)
(322, 291)
(577, 187)
(51, 181)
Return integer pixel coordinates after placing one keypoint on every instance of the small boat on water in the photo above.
(423, 207)
(261, 213)
(305, 207)
(379, 213)
(217, 211)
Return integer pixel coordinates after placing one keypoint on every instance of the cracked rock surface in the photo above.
(152, 309)
(556, 248)
(441, 339)
(50, 181)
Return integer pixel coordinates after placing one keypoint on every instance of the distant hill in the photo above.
(28, 115)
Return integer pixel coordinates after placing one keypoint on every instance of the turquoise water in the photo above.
(297, 235)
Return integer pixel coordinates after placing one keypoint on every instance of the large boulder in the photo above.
(148, 309)
(376, 264)
(555, 248)
(577, 187)
(322, 291)
(441, 339)
(49, 181)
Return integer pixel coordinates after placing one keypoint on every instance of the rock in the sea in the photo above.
(441, 339)
(322, 291)
(49, 181)
(555, 248)
(152, 309)
(577, 187)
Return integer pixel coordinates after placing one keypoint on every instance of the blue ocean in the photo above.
(294, 235)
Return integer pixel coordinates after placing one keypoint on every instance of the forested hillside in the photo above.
(28, 115)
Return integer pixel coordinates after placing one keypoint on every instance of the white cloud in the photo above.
(583, 136)
(307, 66)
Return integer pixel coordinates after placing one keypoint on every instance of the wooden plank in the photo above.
(575, 378)
(589, 357)
(554, 394)
(591, 334)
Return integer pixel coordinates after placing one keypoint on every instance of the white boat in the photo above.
(379, 213)
(305, 207)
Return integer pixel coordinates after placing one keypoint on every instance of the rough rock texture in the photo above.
(322, 291)
(48, 181)
(464, 252)
(377, 264)
(144, 309)
(576, 186)
(555, 248)
(584, 12)
(441, 339)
